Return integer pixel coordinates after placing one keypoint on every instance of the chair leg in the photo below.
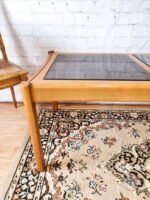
(55, 105)
(13, 96)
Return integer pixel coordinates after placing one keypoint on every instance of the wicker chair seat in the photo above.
(10, 70)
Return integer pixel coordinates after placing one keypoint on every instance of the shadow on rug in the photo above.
(90, 155)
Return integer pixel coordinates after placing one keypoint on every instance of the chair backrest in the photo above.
(2, 48)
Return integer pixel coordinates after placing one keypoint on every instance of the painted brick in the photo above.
(15, 30)
(101, 20)
(130, 19)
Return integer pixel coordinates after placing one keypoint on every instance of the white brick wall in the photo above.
(32, 27)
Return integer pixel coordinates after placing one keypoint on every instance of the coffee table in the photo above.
(84, 77)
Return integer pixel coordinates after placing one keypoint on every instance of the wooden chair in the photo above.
(10, 73)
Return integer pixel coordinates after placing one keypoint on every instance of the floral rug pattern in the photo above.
(90, 155)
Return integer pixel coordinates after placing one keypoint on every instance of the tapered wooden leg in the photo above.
(55, 105)
(33, 125)
(13, 96)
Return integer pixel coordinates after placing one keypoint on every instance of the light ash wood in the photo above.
(39, 90)
(104, 53)
(46, 63)
(33, 125)
(124, 91)
(40, 76)
(55, 105)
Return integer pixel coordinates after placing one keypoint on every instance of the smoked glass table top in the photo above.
(145, 58)
(96, 67)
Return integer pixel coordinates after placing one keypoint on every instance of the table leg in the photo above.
(33, 125)
(55, 105)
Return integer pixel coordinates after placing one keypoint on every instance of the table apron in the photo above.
(122, 93)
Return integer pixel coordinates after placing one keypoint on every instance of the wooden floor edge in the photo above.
(12, 169)
(92, 104)
(16, 160)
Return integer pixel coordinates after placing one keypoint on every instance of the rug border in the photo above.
(13, 168)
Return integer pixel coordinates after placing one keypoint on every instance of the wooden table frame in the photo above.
(38, 90)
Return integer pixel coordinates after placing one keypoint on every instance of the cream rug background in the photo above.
(100, 155)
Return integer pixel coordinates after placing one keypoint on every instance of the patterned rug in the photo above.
(90, 155)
